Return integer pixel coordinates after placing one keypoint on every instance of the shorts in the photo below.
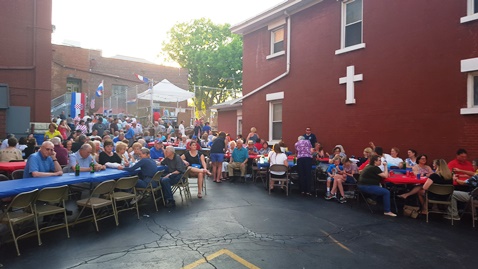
(217, 157)
(350, 180)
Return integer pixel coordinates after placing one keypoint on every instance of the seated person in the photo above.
(94, 135)
(238, 159)
(367, 153)
(369, 182)
(84, 158)
(258, 143)
(422, 168)
(107, 157)
(462, 196)
(276, 156)
(52, 132)
(320, 156)
(461, 166)
(338, 151)
(157, 151)
(43, 163)
(337, 176)
(230, 148)
(176, 169)
(61, 152)
(147, 137)
(121, 151)
(441, 176)
(251, 149)
(183, 142)
(11, 153)
(392, 159)
(350, 169)
(196, 160)
(411, 161)
(148, 170)
(135, 153)
(265, 149)
(119, 138)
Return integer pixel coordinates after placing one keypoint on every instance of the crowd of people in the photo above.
(123, 144)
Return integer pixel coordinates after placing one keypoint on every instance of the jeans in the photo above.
(378, 191)
(166, 185)
(143, 183)
(304, 169)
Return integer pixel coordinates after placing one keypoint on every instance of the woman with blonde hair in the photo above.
(441, 176)
(95, 149)
(252, 135)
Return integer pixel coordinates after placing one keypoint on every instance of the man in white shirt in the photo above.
(181, 128)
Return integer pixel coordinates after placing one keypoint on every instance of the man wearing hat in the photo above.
(157, 151)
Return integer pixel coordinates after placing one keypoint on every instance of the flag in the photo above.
(143, 79)
(92, 102)
(77, 104)
(99, 90)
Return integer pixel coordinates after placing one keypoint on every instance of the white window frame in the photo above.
(272, 28)
(470, 12)
(470, 66)
(273, 99)
(343, 48)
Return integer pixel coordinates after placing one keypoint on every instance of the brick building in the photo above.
(400, 73)
(25, 58)
(77, 69)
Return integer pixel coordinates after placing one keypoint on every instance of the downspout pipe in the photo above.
(287, 64)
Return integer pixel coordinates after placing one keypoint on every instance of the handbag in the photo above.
(411, 211)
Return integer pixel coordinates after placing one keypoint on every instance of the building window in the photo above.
(277, 40)
(472, 94)
(276, 120)
(73, 85)
(472, 11)
(352, 27)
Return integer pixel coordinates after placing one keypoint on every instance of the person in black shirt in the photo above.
(195, 159)
(176, 169)
(218, 148)
(108, 157)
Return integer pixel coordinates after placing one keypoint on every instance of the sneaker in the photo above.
(327, 194)
(330, 196)
(136, 199)
(390, 214)
(342, 200)
(447, 216)
(371, 202)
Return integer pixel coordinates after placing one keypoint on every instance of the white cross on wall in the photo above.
(349, 80)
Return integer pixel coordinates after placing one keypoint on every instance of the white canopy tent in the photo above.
(166, 91)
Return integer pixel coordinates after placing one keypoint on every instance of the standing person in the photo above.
(176, 169)
(82, 127)
(170, 129)
(43, 163)
(11, 152)
(194, 158)
(310, 136)
(369, 182)
(206, 129)
(99, 126)
(181, 128)
(114, 126)
(304, 164)
(129, 134)
(252, 135)
(197, 128)
(64, 129)
(218, 148)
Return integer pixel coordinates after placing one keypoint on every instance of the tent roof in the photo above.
(166, 91)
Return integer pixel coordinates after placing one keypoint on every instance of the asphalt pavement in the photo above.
(239, 225)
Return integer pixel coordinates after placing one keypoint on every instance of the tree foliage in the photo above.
(213, 56)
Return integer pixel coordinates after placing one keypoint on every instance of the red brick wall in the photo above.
(412, 90)
(227, 122)
(25, 57)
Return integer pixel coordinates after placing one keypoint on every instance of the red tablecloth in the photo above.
(10, 167)
(403, 179)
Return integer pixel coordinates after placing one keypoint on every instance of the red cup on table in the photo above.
(160, 159)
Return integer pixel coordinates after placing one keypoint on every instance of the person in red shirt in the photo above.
(460, 165)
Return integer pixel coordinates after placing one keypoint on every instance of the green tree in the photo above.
(213, 56)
